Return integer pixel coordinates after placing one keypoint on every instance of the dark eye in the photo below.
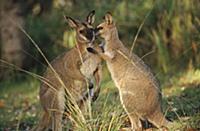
(100, 28)
(81, 31)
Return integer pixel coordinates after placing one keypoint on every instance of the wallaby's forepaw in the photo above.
(91, 50)
(102, 46)
(96, 95)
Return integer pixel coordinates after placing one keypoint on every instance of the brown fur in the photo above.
(139, 91)
(67, 66)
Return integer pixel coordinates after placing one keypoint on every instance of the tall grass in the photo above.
(172, 29)
(175, 32)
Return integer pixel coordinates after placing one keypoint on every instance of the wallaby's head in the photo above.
(107, 28)
(85, 32)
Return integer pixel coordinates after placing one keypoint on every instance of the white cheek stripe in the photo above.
(83, 37)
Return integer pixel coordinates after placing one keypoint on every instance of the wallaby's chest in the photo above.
(89, 65)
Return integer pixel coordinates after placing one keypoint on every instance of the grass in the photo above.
(18, 104)
(20, 108)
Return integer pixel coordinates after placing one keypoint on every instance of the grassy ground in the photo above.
(20, 108)
(18, 104)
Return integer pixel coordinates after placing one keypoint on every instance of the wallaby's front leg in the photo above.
(107, 56)
(98, 78)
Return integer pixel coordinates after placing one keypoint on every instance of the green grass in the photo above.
(172, 30)
(19, 104)
(20, 108)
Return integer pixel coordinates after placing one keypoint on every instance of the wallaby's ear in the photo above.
(108, 18)
(72, 23)
(91, 17)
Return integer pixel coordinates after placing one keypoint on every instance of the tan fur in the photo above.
(68, 67)
(139, 91)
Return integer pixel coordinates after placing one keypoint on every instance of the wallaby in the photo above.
(75, 68)
(139, 90)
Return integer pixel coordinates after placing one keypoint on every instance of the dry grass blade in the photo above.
(34, 58)
(46, 81)
(150, 52)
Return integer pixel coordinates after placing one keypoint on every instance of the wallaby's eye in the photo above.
(96, 30)
(81, 31)
(100, 28)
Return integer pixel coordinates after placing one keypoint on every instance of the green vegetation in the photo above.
(19, 107)
(170, 31)
(169, 42)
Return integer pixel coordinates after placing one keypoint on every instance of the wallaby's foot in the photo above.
(125, 129)
(135, 123)
(150, 129)
(169, 124)
(163, 129)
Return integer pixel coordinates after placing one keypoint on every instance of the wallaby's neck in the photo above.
(113, 40)
(81, 47)
(113, 35)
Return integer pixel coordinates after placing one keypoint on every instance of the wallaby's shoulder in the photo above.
(67, 56)
(68, 60)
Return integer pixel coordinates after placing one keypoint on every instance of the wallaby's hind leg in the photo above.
(54, 107)
(57, 121)
(98, 78)
(58, 110)
(135, 122)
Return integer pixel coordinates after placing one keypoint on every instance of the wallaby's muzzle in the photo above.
(90, 35)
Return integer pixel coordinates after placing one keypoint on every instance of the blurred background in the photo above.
(170, 34)
(169, 42)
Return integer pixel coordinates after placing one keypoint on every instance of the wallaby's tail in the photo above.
(158, 119)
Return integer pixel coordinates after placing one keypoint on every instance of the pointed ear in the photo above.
(91, 17)
(108, 18)
(72, 23)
